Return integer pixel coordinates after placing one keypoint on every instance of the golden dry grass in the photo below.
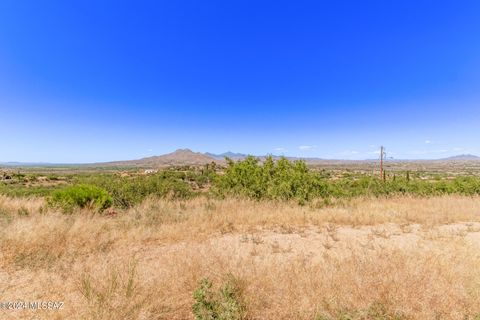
(414, 258)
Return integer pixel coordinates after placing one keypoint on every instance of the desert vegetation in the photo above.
(281, 180)
(252, 240)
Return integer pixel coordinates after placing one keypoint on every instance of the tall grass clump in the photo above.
(80, 196)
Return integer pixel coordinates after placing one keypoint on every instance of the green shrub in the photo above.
(80, 196)
(224, 304)
(52, 177)
(129, 191)
(282, 180)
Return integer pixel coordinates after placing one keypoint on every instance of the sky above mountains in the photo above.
(88, 81)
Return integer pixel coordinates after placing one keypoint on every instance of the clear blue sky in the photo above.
(84, 81)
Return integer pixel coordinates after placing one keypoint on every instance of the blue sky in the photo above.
(85, 81)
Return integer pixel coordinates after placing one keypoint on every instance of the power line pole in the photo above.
(382, 156)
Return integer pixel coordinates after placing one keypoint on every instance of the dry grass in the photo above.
(409, 258)
(16, 205)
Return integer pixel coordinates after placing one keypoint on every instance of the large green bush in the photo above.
(282, 180)
(80, 196)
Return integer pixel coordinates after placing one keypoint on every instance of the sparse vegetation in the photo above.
(355, 248)
(286, 271)
(281, 180)
(286, 180)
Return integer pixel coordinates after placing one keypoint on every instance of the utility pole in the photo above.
(382, 156)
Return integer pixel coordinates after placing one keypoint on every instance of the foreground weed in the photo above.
(225, 304)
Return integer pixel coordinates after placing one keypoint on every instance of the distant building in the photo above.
(150, 171)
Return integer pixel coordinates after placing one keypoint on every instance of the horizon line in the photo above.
(211, 154)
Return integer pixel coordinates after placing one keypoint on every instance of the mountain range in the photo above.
(183, 157)
(188, 157)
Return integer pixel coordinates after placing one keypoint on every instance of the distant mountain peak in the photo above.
(186, 150)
